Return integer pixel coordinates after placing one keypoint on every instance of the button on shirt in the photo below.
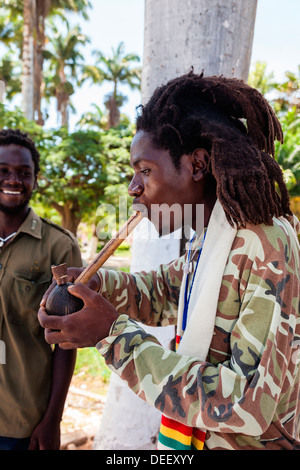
(25, 274)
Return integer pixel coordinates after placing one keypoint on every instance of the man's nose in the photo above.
(135, 188)
(13, 177)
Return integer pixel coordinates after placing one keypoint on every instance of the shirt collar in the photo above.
(32, 225)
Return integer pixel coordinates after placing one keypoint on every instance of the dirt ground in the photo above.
(82, 414)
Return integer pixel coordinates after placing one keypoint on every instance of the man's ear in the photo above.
(200, 161)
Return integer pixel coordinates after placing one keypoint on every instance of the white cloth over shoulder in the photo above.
(203, 303)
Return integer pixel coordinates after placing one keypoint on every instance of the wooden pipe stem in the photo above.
(109, 248)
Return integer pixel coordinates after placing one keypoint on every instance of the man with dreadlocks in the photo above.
(234, 381)
(34, 380)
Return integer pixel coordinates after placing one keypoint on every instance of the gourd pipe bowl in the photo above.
(60, 301)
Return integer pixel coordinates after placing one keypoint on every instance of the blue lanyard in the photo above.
(186, 295)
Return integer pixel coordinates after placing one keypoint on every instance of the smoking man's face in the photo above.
(158, 185)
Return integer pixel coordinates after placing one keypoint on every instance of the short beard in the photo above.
(14, 210)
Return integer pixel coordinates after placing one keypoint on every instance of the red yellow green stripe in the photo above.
(198, 439)
(178, 436)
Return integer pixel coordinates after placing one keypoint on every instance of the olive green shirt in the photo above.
(25, 274)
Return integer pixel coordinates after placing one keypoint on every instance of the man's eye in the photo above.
(145, 172)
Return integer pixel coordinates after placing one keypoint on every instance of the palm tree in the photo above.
(44, 8)
(29, 14)
(116, 69)
(34, 14)
(95, 119)
(65, 62)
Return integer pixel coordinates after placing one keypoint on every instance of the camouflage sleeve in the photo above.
(151, 298)
(239, 395)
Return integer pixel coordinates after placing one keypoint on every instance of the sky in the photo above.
(276, 42)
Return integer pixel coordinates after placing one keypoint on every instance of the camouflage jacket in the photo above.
(246, 394)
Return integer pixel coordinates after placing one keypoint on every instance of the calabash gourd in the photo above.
(60, 301)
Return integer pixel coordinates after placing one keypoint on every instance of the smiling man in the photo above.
(234, 381)
(34, 380)
(17, 181)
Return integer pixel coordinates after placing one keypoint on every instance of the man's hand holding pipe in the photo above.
(84, 328)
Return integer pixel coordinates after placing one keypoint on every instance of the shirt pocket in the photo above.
(26, 293)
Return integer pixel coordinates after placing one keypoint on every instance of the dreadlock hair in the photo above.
(237, 126)
(17, 137)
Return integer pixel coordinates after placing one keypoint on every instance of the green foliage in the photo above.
(15, 119)
(260, 79)
(288, 93)
(76, 6)
(72, 167)
(284, 97)
(9, 74)
(47, 212)
(123, 249)
(288, 154)
(80, 170)
(10, 34)
(94, 119)
(90, 363)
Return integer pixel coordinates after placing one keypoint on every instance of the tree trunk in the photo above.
(70, 221)
(62, 97)
(69, 215)
(211, 35)
(42, 10)
(214, 35)
(64, 113)
(29, 14)
(113, 112)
